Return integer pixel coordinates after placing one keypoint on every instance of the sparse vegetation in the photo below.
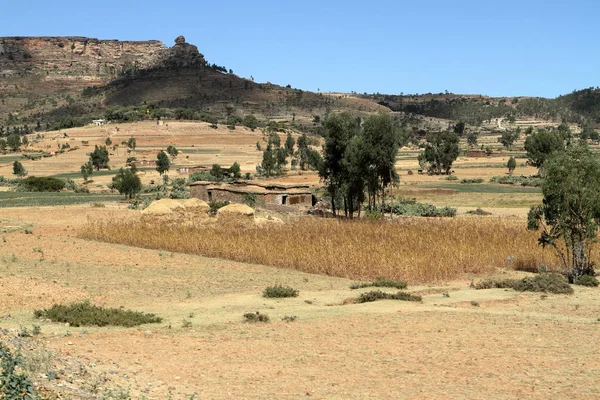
(86, 314)
(280, 291)
(380, 282)
(379, 295)
(545, 282)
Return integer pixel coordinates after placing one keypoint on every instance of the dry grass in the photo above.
(411, 249)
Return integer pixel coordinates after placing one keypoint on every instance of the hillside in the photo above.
(45, 80)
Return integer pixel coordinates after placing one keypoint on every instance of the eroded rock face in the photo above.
(184, 54)
(79, 62)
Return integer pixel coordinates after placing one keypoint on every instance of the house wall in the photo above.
(202, 193)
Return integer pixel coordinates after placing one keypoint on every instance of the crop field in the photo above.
(27, 199)
(413, 249)
(203, 279)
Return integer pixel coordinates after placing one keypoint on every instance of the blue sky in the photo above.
(498, 48)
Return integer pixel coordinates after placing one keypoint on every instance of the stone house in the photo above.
(260, 192)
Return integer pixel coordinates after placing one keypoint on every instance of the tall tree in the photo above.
(381, 141)
(569, 216)
(339, 130)
(14, 141)
(86, 170)
(441, 151)
(99, 157)
(541, 145)
(18, 169)
(289, 144)
(127, 182)
(162, 162)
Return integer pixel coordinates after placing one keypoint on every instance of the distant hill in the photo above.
(60, 82)
(577, 107)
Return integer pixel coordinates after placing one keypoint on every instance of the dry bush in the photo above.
(408, 249)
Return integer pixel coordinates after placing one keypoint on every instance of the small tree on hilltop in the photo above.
(18, 169)
(127, 183)
(570, 214)
(511, 165)
(162, 162)
(99, 157)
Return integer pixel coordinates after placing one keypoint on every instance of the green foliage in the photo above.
(586, 280)
(249, 199)
(13, 384)
(86, 170)
(235, 170)
(511, 165)
(380, 282)
(289, 144)
(86, 314)
(131, 143)
(279, 291)
(215, 205)
(541, 145)
(570, 214)
(13, 141)
(379, 295)
(18, 169)
(459, 128)
(41, 184)
(440, 152)
(471, 181)
(172, 151)
(179, 189)
(472, 139)
(545, 282)
(256, 317)
(420, 210)
(250, 121)
(99, 157)
(508, 138)
(127, 183)
(162, 162)
(529, 181)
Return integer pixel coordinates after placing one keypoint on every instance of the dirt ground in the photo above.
(466, 345)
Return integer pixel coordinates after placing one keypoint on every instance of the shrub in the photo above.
(545, 282)
(420, 210)
(476, 180)
(256, 317)
(587, 280)
(451, 178)
(86, 314)
(41, 184)
(380, 282)
(14, 385)
(249, 199)
(279, 291)
(375, 295)
(215, 205)
(517, 180)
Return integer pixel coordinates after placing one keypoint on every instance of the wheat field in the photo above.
(418, 250)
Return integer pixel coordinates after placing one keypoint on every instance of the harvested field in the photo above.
(413, 249)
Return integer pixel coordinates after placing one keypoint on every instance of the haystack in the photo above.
(163, 207)
(235, 210)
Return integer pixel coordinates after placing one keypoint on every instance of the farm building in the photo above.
(260, 193)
